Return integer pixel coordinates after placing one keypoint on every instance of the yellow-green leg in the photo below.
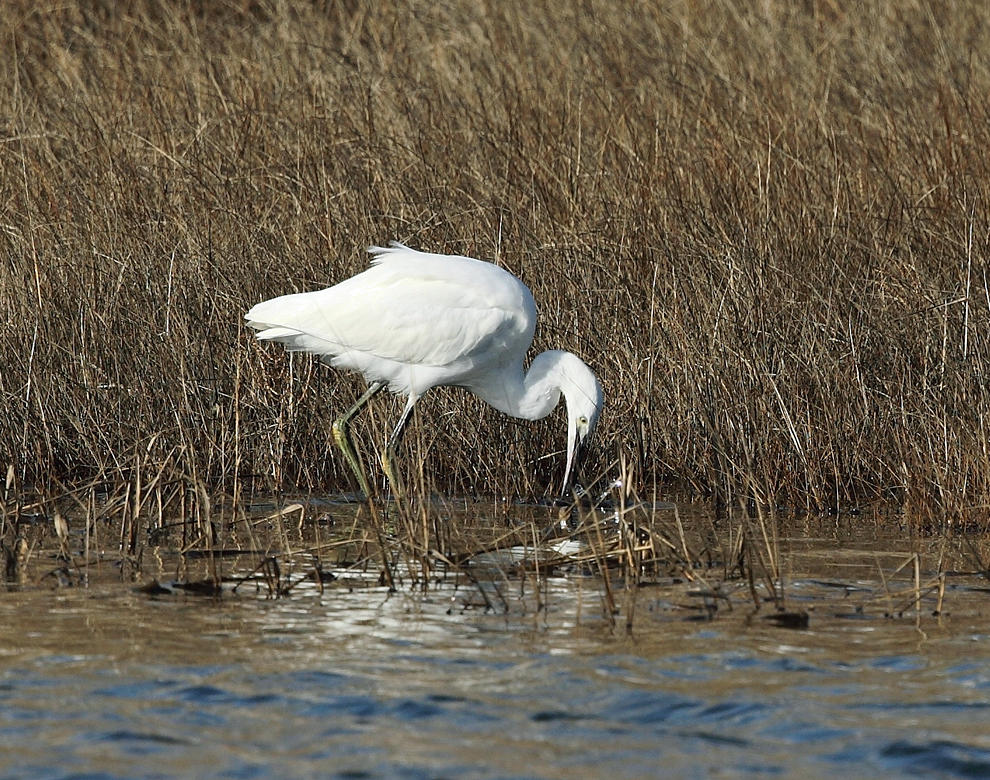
(388, 456)
(342, 436)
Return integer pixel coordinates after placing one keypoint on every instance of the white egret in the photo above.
(416, 320)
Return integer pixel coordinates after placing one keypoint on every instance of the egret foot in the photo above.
(342, 437)
(388, 457)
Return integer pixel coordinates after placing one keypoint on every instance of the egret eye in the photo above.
(582, 420)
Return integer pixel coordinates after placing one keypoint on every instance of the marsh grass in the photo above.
(764, 225)
(636, 561)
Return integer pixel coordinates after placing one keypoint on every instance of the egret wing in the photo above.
(409, 307)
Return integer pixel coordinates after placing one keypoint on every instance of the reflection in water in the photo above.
(108, 682)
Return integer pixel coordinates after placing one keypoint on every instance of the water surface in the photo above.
(108, 681)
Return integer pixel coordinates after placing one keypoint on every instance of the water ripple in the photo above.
(389, 687)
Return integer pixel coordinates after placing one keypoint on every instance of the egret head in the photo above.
(583, 396)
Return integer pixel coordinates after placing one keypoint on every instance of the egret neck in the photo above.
(533, 395)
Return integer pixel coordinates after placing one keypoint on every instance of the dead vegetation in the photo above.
(765, 226)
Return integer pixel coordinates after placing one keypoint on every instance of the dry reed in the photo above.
(764, 224)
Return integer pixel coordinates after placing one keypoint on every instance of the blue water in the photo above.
(107, 683)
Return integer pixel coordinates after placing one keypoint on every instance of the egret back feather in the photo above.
(411, 320)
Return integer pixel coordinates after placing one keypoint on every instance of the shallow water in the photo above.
(107, 681)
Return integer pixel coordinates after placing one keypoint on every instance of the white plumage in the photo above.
(416, 320)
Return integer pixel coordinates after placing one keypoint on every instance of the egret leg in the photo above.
(388, 456)
(342, 435)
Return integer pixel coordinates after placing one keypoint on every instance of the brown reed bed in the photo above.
(764, 225)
